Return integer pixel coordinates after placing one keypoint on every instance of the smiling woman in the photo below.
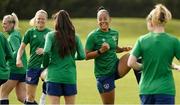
(102, 45)
(35, 37)
(5, 55)
(17, 75)
(126, 88)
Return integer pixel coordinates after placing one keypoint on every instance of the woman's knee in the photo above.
(123, 68)
(21, 99)
(108, 97)
(30, 97)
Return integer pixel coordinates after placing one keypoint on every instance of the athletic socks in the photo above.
(138, 73)
(30, 103)
(44, 87)
(4, 102)
(42, 100)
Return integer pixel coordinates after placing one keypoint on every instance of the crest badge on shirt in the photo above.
(114, 38)
(34, 36)
(103, 39)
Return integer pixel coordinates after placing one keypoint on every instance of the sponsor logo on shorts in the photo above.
(28, 78)
(106, 86)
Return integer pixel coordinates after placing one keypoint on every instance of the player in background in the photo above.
(157, 83)
(34, 36)
(5, 55)
(62, 48)
(102, 46)
(17, 75)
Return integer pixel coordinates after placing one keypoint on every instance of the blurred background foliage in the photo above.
(25, 9)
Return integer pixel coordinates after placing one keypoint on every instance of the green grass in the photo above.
(126, 88)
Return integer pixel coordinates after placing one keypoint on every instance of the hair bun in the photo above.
(162, 17)
(100, 8)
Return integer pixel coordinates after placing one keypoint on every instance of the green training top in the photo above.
(14, 40)
(157, 51)
(5, 54)
(62, 70)
(36, 39)
(105, 64)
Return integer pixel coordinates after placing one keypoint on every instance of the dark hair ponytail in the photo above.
(65, 34)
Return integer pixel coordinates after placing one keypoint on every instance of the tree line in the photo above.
(26, 9)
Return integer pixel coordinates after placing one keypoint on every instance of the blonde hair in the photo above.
(12, 19)
(33, 20)
(160, 15)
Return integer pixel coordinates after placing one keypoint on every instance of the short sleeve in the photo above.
(26, 38)
(137, 50)
(90, 42)
(177, 49)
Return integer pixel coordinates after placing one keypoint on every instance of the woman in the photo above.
(61, 46)
(35, 37)
(5, 54)
(17, 75)
(157, 84)
(102, 45)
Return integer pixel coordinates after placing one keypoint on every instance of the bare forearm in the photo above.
(20, 51)
(132, 62)
(119, 50)
(137, 66)
(91, 55)
(175, 66)
(122, 49)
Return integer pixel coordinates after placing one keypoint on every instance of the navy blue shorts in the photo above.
(18, 77)
(107, 83)
(116, 74)
(44, 87)
(60, 89)
(157, 99)
(32, 76)
(2, 81)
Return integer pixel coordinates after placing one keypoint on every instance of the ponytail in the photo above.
(100, 8)
(160, 15)
(16, 21)
(12, 19)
